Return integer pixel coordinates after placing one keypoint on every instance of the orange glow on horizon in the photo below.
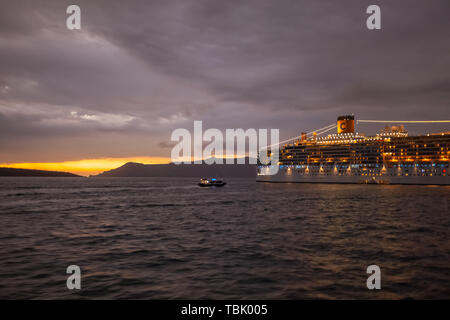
(86, 167)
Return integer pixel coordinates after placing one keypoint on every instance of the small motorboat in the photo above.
(213, 182)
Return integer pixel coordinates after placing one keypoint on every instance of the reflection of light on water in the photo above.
(265, 171)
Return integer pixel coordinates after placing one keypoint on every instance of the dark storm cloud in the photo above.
(146, 67)
(292, 54)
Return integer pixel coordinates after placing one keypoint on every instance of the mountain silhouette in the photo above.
(133, 169)
(13, 172)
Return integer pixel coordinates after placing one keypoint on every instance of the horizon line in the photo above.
(92, 166)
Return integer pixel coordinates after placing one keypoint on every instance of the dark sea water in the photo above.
(155, 238)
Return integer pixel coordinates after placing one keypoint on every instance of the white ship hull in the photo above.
(292, 176)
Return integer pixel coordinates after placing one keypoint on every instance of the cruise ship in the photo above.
(390, 157)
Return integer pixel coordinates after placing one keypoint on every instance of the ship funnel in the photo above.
(304, 136)
(346, 124)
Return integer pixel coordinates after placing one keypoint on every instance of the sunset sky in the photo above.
(90, 100)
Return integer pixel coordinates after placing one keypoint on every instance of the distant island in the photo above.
(13, 172)
(133, 169)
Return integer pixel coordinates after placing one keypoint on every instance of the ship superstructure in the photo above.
(390, 157)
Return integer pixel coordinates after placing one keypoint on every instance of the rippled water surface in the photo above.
(155, 238)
